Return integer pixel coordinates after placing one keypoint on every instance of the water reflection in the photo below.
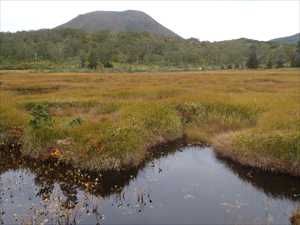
(177, 185)
(274, 185)
(51, 172)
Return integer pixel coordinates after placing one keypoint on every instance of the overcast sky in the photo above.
(205, 20)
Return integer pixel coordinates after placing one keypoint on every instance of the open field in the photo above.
(109, 121)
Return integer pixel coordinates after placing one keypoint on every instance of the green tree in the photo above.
(280, 61)
(296, 58)
(82, 59)
(92, 60)
(65, 46)
(269, 63)
(252, 62)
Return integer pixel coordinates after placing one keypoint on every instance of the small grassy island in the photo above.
(110, 121)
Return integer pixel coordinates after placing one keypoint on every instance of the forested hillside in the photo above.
(293, 39)
(111, 49)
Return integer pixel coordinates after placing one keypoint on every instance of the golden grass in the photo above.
(110, 120)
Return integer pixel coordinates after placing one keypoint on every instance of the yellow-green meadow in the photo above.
(102, 121)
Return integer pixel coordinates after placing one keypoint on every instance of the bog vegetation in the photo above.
(73, 50)
(106, 121)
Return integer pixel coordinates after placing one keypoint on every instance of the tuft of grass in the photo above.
(203, 121)
(38, 141)
(122, 144)
(156, 119)
(277, 150)
(282, 145)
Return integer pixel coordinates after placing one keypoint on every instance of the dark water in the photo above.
(186, 186)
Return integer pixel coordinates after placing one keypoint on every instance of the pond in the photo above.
(186, 185)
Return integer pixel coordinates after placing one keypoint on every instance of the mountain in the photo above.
(293, 39)
(125, 21)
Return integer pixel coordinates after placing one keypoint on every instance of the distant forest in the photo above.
(108, 49)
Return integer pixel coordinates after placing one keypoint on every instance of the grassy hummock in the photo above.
(109, 121)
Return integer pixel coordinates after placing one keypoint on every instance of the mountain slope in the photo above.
(74, 46)
(293, 39)
(125, 21)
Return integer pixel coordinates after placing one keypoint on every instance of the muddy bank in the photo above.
(255, 161)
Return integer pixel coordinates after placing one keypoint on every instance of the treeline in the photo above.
(107, 49)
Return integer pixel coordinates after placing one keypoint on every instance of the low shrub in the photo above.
(40, 116)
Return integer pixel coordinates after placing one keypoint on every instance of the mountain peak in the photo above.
(118, 21)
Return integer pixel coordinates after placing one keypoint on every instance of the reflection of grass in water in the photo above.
(123, 115)
(65, 203)
(57, 188)
(49, 172)
(59, 191)
(295, 217)
(56, 210)
(1, 202)
(279, 186)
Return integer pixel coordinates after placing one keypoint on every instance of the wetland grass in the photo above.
(103, 121)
